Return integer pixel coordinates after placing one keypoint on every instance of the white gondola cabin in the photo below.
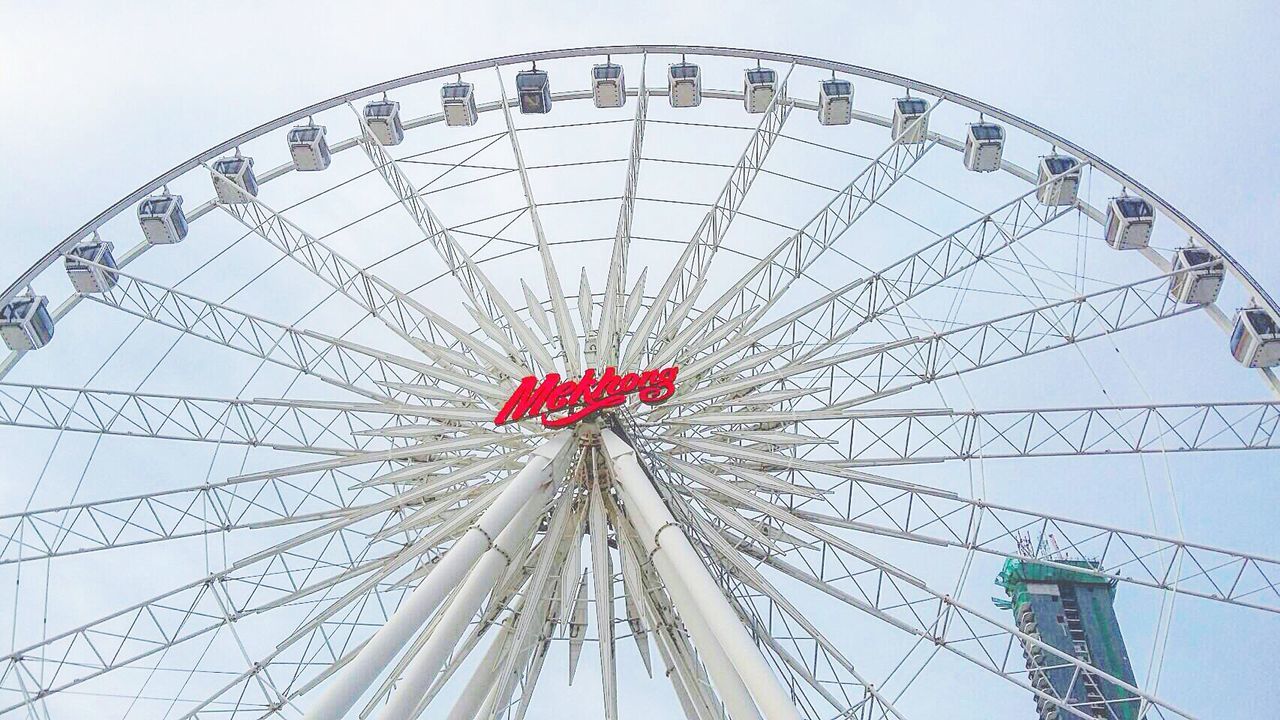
(25, 323)
(608, 85)
(90, 267)
(309, 148)
(1199, 285)
(233, 179)
(1255, 342)
(162, 219)
(459, 102)
(1129, 221)
(910, 120)
(835, 102)
(983, 147)
(684, 85)
(758, 86)
(383, 119)
(534, 89)
(1059, 180)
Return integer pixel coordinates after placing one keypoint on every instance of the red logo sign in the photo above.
(584, 397)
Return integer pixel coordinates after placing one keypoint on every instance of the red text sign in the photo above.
(583, 397)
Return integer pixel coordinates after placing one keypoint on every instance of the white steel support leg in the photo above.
(404, 701)
(342, 692)
(481, 685)
(668, 542)
(728, 683)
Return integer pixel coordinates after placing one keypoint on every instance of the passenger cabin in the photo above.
(383, 119)
(910, 120)
(1198, 286)
(233, 180)
(608, 86)
(1255, 342)
(90, 267)
(162, 220)
(758, 86)
(25, 323)
(684, 85)
(459, 102)
(1129, 221)
(1059, 180)
(308, 147)
(983, 147)
(534, 89)
(835, 102)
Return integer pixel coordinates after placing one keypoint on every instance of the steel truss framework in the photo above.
(392, 554)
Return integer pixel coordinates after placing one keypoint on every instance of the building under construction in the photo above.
(1073, 612)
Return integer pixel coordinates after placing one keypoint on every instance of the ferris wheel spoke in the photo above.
(414, 322)
(897, 366)
(332, 430)
(330, 638)
(689, 273)
(324, 644)
(533, 625)
(182, 513)
(839, 314)
(498, 443)
(907, 603)
(337, 362)
(503, 597)
(346, 687)
(695, 591)
(264, 581)
(884, 506)
(892, 437)
(811, 654)
(612, 315)
(485, 298)
(657, 617)
(507, 595)
(691, 663)
(568, 336)
(767, 282)
(1141, 558)
(814, 655)
(602, 575)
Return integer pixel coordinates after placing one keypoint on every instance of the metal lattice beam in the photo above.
(441, 340)
(690, 270)
(515, 338)
(612, 324)
(566, 334)
(344, 364)
(839, 314)
(292, 427)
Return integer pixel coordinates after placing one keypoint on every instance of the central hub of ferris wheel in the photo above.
(561, 402)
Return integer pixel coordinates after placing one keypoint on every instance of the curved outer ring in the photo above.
(1198, 235)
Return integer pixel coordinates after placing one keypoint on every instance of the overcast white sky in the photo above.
(100, 98)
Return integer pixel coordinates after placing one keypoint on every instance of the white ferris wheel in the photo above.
(721, 378)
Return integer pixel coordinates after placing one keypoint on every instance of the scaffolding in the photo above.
(1072, 611)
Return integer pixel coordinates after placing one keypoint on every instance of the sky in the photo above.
(1180, 95)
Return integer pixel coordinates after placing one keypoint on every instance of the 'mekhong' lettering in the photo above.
(580, 398)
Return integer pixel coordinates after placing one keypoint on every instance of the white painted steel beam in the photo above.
(707, 598)
(345, 688)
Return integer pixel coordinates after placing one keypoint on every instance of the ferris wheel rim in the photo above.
(1197, 233)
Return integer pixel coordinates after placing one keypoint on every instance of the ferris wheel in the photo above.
(738, 373)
